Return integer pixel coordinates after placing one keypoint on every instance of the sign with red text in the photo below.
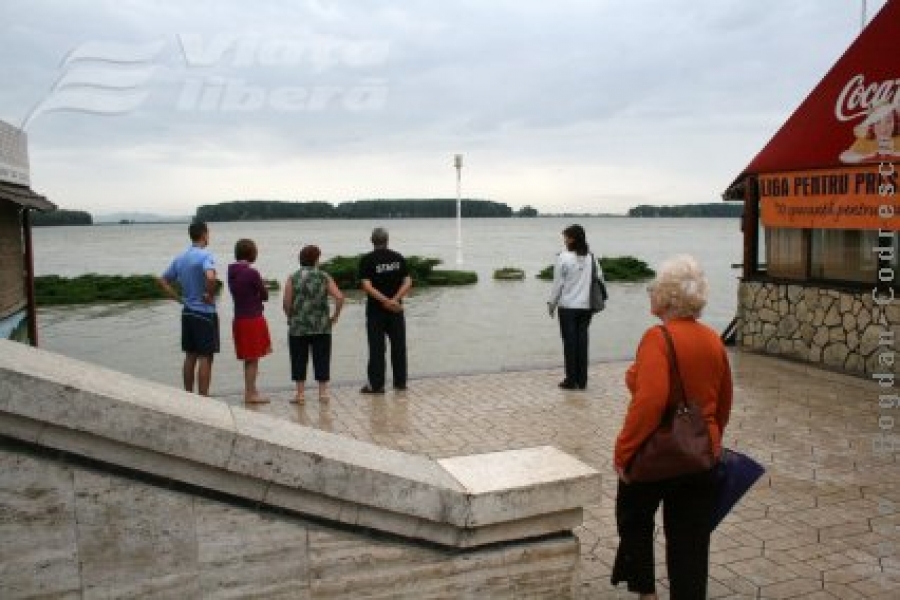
(846, 198)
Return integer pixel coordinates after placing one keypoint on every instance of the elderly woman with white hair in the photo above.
(677, 297)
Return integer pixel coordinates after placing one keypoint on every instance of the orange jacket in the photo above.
(705, 373)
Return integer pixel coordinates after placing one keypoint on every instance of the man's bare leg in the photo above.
(190, 362)
(204, 374)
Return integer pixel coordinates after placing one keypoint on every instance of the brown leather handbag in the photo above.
(681, 444)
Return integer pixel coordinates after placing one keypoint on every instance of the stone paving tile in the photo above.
(794, 588)
(816, 595)
(822, 523)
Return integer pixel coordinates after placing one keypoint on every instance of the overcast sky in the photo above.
(568, 106)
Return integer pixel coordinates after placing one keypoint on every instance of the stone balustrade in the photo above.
(55, 402)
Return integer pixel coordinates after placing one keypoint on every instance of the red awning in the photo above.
(852, 117)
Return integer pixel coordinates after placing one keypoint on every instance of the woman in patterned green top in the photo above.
(305, 304)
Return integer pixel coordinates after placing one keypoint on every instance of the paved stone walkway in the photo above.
(823, 522)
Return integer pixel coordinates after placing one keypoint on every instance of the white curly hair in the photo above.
(680, 288)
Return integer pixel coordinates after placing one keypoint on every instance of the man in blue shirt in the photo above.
(195, 272)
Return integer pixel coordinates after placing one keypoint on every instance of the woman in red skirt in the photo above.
(250, 330)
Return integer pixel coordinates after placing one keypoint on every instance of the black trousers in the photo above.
(381, 324)
(573, 326)
(687, 508)
(299, 347)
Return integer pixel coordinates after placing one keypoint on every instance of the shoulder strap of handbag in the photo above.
(679, 397)
(593, 266)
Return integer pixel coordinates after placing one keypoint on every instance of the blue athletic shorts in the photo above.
(199, 332)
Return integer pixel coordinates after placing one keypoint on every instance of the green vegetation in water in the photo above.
(615, 268)
(345, 272)
(625, 268)
(510, 274)
(85, 289)
(50, 290)
(451, 277)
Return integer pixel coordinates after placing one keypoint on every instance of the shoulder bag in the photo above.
(598, 289)
(681, 444)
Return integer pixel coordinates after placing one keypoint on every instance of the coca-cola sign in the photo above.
(858, 98)
(877, 104)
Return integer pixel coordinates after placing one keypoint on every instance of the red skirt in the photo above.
(251, 337)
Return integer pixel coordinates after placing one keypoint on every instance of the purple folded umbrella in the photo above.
(735, 474)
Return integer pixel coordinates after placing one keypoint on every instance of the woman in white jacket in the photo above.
(571, 295)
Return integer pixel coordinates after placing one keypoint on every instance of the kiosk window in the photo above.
(844, 255)
(786, 252)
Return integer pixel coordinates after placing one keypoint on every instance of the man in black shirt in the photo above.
(385, 279)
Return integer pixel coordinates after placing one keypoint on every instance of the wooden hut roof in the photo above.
(23, 196)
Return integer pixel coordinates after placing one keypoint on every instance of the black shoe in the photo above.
(566, 385)
(367, 389)
(400, 387)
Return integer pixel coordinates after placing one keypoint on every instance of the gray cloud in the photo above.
(572, 105)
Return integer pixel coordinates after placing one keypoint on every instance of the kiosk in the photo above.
(18, 314)
(821, 213)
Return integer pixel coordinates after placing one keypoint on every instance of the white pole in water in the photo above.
(458, 162)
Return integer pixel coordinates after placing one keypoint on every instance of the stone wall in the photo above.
(71, 530)
(832, 328)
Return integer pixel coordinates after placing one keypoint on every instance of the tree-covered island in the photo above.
(436, 208)
(714, 209)
(61, 217)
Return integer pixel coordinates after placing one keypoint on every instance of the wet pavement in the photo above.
(822, 523)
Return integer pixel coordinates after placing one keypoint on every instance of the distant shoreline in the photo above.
(547, 216)
(382, 209)
(186, 221)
